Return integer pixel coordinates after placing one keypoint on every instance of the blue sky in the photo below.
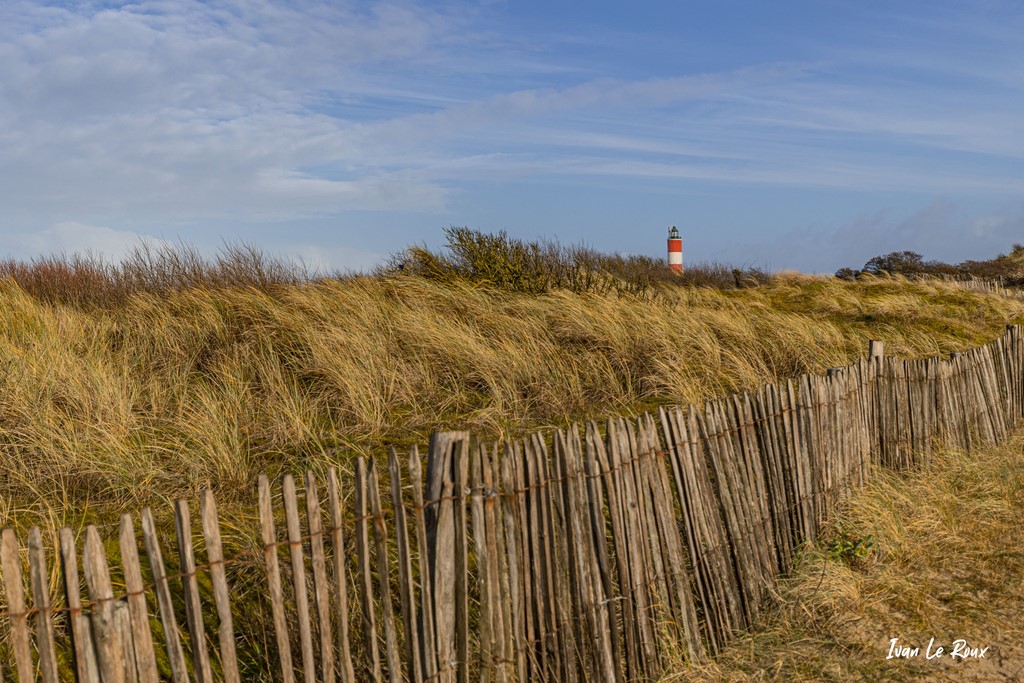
(806, 135)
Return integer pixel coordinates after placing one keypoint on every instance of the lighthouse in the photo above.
(675, 250)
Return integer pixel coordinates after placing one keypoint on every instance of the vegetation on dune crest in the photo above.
(1007, 267)
(90, 282)
(503, 262)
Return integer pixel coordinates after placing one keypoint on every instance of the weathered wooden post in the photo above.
(445, 512)
(876, 354)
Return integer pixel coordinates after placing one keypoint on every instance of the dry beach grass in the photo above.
(943, 561)
(169, 391)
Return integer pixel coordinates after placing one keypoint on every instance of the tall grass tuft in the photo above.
(89, 281)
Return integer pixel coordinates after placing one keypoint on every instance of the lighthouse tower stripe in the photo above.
(675, 254)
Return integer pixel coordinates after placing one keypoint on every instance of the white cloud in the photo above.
(77, 238)
(182, 108)
(322, 259)
(111, 246)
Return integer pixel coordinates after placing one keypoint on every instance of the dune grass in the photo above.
(165, 392)
(941, 560)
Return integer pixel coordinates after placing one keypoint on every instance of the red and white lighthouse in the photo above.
(675, 250)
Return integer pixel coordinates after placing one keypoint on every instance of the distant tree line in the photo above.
(1009, 267)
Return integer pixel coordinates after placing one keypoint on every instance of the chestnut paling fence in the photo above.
(582, 554)
(989, 285)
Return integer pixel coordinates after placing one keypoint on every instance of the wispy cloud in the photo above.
(170, 116)
(327, 259)
(77, 238)
(186, 109)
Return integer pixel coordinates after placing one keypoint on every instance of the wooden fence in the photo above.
(590, 553)
(988, 285)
